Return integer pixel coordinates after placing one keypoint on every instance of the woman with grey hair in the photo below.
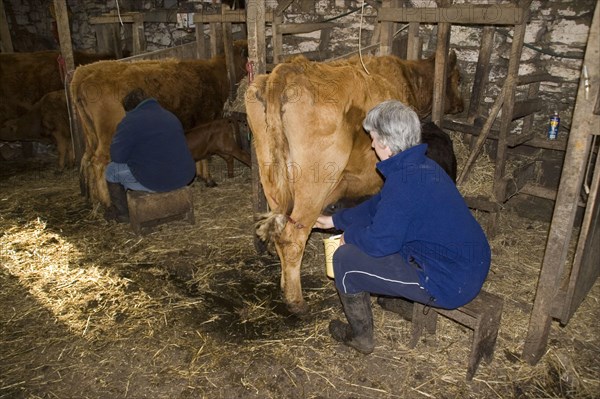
(415, 240)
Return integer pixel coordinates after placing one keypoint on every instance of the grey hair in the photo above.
(397, 125)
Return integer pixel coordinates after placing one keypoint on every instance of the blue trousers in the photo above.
(355, 272)
(120, 173)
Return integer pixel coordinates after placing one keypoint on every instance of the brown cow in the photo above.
(218, 137)
(26, 77)
(194, 90)
(46, 121)
(306, 118)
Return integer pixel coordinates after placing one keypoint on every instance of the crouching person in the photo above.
(415, 240)
(148, 153)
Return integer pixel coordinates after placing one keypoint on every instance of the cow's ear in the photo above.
(452, 59)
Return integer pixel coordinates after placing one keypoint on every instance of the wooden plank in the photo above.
(523, 175)
(182, 52)
(228, 49)
(586, 264)
(277, 39)
(441, 63)
(138, 36)
(108, 39)
(386, 31)
(126, 18)
(482, 72)
(201, 50)
(216, 39)
(463, 14)
(555, 145)
(257, 57)
(282, 6)
(561, 228)
(233, 16)
(526, 107)
(485, 131)
(509, 104)
(5, 39)
(293, 29)
(414, 46)
(538, 77)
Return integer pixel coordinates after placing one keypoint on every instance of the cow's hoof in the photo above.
(298, 308)
(211, 183)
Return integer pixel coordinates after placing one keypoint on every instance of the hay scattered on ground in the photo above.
(89, 309)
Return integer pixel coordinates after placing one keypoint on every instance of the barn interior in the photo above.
(91, 308)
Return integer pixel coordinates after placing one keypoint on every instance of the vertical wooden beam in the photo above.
(441, 61)
(481, 73)
(64, 33)
(561, 229)
(512, 75)
(386, 32)
(257, 57)
(277, 38)
(66, 49)
(228, 49)
(200, 41)
(138, 36)
(413, 50)
(216, 39)
(5, 39)
(255, 20)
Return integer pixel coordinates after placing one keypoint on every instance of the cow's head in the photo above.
(454, 103)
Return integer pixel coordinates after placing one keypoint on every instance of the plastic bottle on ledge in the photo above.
(553, 127)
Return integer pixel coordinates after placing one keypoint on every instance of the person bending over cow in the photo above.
(148, 153)
(415, 240)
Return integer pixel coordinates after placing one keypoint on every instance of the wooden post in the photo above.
(413, 51)
(257, 56)
(441, 61)
(228, 49)
(200, 41)
(138, 37)
(509, 103)
(386, 34)
(216, 39)
(585, 124)
(66, 49)
(5, 39)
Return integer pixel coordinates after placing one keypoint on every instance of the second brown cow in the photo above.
(218, 137)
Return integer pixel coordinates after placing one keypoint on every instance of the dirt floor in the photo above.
(88, 309)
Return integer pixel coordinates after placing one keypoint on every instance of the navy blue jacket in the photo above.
(151, 141)
(420, 214)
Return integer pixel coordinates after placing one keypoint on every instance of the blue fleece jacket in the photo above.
(420, 214)
(151, 141)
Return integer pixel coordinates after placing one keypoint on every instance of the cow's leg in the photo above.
(229, 162)
(290, 249)
(203, 172)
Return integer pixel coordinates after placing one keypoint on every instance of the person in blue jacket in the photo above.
(148, 153)
(416, 239)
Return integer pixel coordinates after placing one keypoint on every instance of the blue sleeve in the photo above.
(361, 214)
(122, 143)
(387, 231)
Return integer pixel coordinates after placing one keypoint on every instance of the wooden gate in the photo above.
(553, 301)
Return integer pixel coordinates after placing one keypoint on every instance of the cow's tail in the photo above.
(269, 227)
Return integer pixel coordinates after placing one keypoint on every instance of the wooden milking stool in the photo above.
(147, 210)
(482, 315)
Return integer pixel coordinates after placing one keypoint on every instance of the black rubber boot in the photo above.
(358, 334)
(118, 209)
(402, 306)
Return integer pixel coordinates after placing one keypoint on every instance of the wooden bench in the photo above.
(482, 315)
(147, 210)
